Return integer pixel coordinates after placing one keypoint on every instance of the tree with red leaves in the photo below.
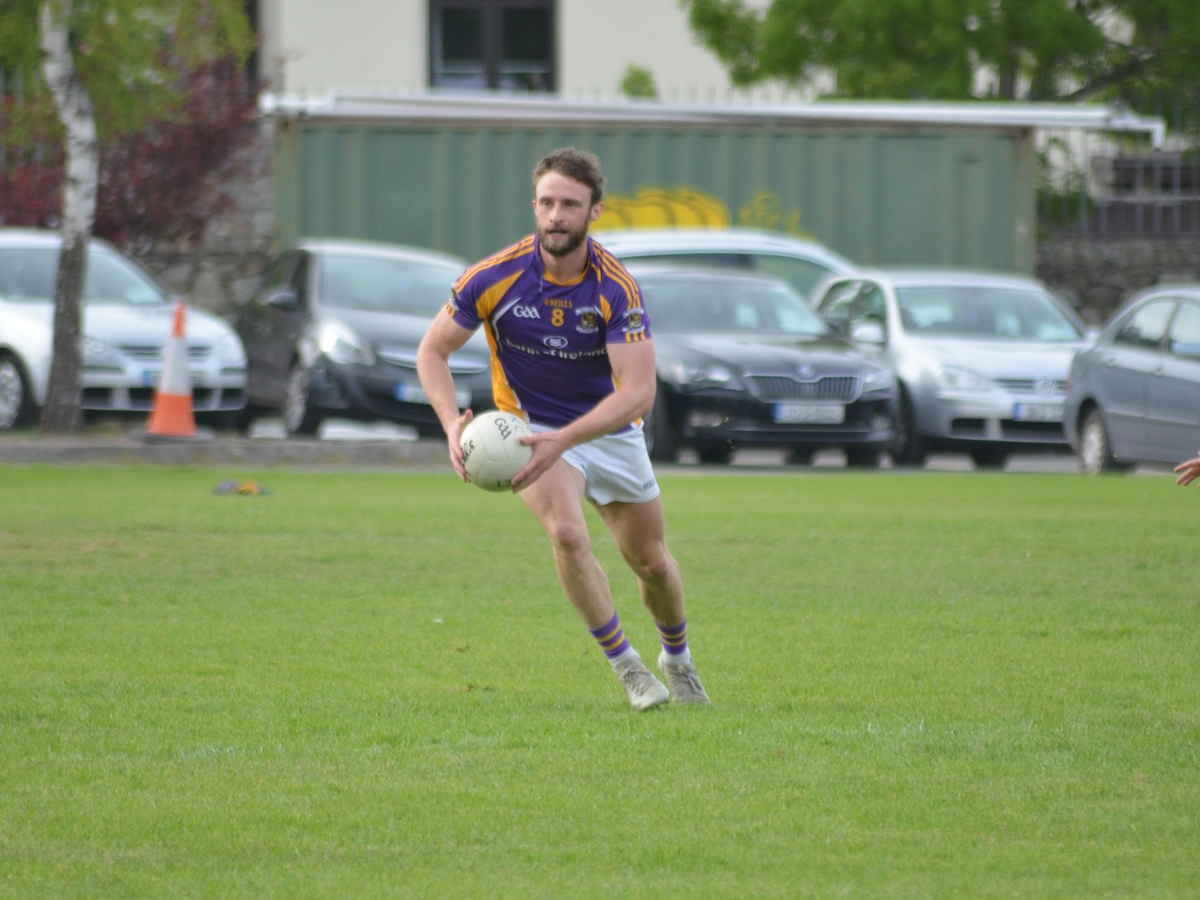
(161, 183)
(126, 78)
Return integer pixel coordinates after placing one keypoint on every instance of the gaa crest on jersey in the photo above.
(588, 321)
(634, 322)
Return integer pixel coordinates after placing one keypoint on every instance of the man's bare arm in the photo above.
(433, 367)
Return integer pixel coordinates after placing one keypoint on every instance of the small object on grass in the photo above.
(248, 488)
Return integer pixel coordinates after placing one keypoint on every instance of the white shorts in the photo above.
(615, 467)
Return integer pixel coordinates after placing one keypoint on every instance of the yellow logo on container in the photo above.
(654, 207)
(687, 207)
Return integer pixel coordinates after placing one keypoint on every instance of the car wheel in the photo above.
(246, 417)
(989, 457)
(662, 438)
(798, 456)
(717, 453)
(16, 403)
(907, 447)
(862, 457)
(299, 416)
(1095, 446)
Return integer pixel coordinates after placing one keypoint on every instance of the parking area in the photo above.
(388, 446)
(341, 431)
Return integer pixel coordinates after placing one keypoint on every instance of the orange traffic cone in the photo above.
(171, 414)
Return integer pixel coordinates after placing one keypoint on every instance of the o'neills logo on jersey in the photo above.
(634, 324)
(587, 321)
(452, 303)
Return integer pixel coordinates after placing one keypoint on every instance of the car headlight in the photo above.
(229, 351)
(343, 346)
(688, 375)
(96, 352)
(878, 380)
(962, 380)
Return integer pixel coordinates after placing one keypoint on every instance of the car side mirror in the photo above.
(868, 333)
(837, 326)
(284, 298)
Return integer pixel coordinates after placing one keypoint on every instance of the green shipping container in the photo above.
(455, 175)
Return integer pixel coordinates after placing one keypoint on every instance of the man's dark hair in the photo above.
(580, 165)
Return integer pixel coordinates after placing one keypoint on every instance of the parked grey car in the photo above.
(801, 263)
(127, 321)
(1134, 395)
(743, 361)
(981, 358)
(334, 328)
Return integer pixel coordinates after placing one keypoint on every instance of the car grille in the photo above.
(1030, 385)
(142, 399)
(155, 353)
(781, 387)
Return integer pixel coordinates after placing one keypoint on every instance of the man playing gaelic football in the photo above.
(572, 354)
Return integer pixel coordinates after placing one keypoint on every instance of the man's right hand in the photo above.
(454, 443)
(433, 367)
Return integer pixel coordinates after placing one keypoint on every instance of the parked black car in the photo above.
(743, 360)
(334, 330)
(1134, 395)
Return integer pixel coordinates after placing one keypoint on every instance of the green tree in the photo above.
(930, 49)
(108, 66)
(638, 83)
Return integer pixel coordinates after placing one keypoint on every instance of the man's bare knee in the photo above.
(569, 538)
(656, 569)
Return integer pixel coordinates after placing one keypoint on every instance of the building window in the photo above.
(503, 45)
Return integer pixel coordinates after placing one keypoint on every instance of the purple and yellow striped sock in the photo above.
(674, 638)
(611, 638)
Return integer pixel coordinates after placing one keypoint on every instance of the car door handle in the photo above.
(1110, 360)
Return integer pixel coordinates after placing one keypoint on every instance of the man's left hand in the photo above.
(548, 448)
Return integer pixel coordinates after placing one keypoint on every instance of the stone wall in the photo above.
(222, 271)
(1097, 274)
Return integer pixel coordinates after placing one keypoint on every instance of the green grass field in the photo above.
(369, 685)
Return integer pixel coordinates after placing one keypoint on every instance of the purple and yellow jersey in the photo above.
(550, 341)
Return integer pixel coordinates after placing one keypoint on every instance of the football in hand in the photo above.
(491, 451)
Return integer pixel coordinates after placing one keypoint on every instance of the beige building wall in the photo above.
(314, 46)
(598, 41)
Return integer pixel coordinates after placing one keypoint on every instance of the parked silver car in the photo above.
(127, 319)
(981, 358)
(801, 263)
(1134, 395)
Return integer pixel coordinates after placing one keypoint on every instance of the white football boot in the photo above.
(641, 687)
(682, 678)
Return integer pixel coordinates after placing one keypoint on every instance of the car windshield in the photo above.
(1000, 313)
(380, 284)
(802, 274)
(724, 306)
(27, 275)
